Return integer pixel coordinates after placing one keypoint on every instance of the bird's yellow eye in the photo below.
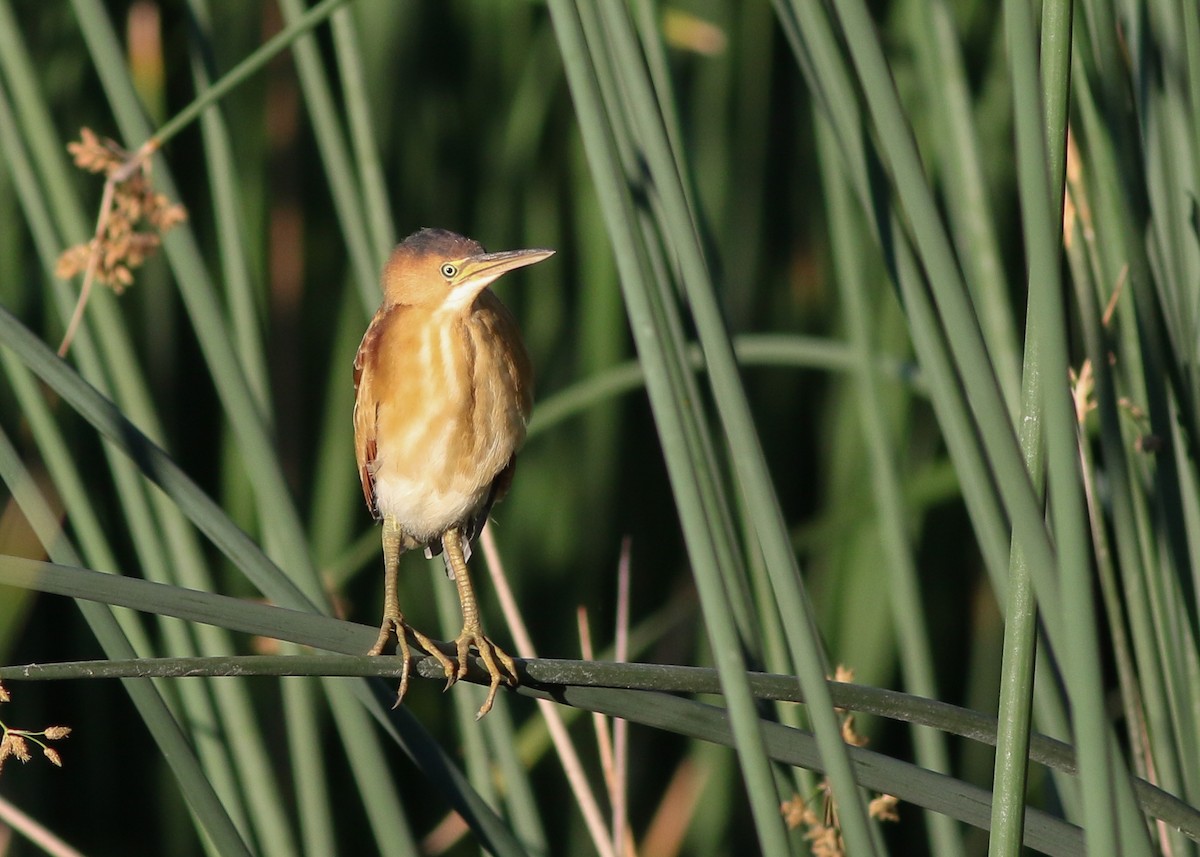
(449, 271)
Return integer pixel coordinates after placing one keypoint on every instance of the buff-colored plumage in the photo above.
(443, 390)
(447, 468)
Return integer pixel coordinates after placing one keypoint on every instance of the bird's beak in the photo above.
(477, 272)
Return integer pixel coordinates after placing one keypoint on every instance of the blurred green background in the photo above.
(463, 115)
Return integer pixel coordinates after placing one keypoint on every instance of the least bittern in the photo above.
(443, 388)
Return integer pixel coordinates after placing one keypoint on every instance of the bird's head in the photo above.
(437, 269)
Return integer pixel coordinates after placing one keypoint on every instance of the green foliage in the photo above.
(874, 331)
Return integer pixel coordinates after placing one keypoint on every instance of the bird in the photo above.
(443, 389)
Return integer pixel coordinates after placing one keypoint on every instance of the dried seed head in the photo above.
(52, 754)
(166, 217)
(114, 253)
(4, 697)
(883, 808)
(140, 246)
(129, 203)
(95, 155)
(796, 812)
(20, 747)
(120, 278)
(825, 842)
(72, 261)
(850, 736)
(124, 242)
(57, 733)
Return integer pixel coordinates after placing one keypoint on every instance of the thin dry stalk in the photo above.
(567, 755)
(445, 835)
(604, 743)
(35, 831)
(621, 832)
(673, 818)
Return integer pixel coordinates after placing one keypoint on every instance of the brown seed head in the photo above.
(19, 747)
(883, 808)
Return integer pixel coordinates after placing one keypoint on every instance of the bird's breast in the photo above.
(451, 413)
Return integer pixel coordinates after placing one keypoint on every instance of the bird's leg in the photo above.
(393, 619)
(493, 656)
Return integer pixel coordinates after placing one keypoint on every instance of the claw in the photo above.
(431, 648)
(498, 663)
(453, 544)
(390, 625)
(397, 625)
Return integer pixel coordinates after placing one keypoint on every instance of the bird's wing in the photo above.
(366, 410)
(505, 327)
(500, 486)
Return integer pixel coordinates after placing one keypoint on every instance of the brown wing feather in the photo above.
(366, 408)
(504, 327)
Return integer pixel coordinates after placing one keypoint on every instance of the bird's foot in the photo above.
(397, 625)
(498, 663)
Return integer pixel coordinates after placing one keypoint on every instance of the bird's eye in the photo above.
(449, 271)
